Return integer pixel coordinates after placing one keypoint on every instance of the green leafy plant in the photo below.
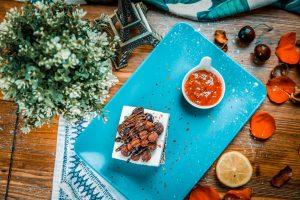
(52, 62)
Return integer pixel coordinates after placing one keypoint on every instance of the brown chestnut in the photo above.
(280, 70)
(262, 52)
(246, 34)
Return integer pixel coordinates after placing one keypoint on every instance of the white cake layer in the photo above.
(156, 155)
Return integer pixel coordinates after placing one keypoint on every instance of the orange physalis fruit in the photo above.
(244, 194)
(286, 50)
(279, 88)
(204, 193)
(262, 125)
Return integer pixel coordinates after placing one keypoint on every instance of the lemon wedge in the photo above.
(233, 169)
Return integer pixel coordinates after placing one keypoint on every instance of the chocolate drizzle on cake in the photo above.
(138, 134)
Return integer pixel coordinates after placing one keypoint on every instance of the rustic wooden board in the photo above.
(7, 123)
(7, 127)
(33, 163)
(35, 152)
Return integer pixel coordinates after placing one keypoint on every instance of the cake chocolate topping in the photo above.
(138, 134)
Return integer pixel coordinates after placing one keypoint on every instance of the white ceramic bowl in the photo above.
(205, 64)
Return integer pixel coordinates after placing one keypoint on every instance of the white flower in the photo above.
(20, 84)
(74, 94)
(55, 39)
(3, 26)
(93, 36)
(79, 12)
(48, 112)
(40, 98)
(75, 111)
(25, 129)
(3, 83)
(40, 5)
(64, 54)
(58, 46)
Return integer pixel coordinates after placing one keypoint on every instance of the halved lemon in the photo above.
(233, 169)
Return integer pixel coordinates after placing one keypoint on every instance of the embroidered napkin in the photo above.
(72, 178)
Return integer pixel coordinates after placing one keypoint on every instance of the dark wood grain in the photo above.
(33, 163)
(7, 126)
(35, 152)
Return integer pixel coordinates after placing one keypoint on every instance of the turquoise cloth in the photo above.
(205, 10)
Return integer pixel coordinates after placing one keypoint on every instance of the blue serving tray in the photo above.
(195, 137)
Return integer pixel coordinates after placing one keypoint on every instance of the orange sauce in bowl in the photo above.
(203, 88)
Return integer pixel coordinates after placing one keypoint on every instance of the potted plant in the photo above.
(53, 62)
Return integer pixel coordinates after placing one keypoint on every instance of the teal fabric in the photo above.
(224, 9)
(289, 5)
(204, 10)
(207, 10)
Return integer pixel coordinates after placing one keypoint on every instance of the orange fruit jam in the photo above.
(203, 88)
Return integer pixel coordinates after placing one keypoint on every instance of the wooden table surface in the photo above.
(34, 153)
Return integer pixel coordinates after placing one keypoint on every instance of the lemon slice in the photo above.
(233, 169)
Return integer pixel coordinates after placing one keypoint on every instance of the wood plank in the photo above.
(7, 122)
(35, 152)
(33, 163)
(7, 127)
